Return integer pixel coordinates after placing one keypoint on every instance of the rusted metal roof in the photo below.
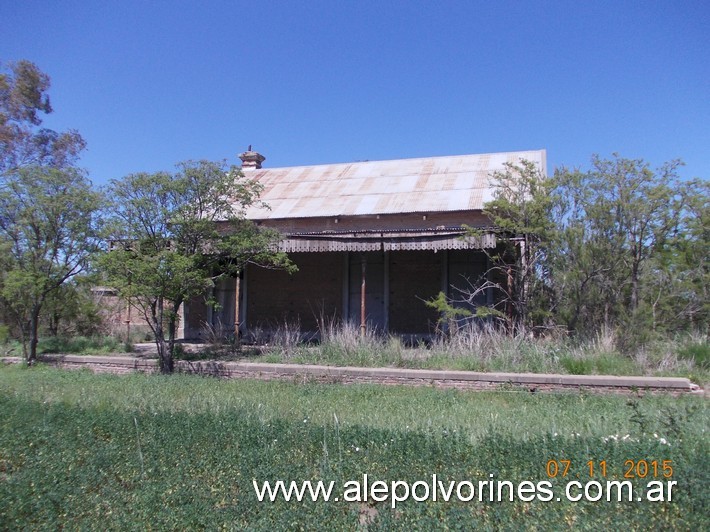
(434, 184)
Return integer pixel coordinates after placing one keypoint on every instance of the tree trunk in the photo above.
(172, 327)
(34, 339)
(171, 342)
(634, 286)
(23, 326)
(509, 302)
(165, 354)
(53, 325)
(523, 286)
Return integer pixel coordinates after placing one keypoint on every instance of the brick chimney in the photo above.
(251, 160)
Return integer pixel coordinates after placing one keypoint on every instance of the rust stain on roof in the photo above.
(434, 184)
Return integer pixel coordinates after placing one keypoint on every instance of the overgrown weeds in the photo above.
(472, 347)
(481, 347)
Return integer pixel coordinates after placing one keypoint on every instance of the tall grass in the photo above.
(471, 347)
(485, 348)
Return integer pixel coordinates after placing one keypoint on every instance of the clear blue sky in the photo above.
(149, 84)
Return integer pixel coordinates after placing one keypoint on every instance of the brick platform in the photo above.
(463, 380)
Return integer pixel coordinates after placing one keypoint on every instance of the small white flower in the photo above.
(357, 449)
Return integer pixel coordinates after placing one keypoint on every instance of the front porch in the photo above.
(384, 289)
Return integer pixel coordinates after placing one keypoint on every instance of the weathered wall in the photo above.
(117, 318)
(415, 276)
(315, 290)
(196, 316)
(398, 284)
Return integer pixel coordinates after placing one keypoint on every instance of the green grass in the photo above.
(375, 406)
(81, 345)
(698, 353)
(79, 450)
(95, 345)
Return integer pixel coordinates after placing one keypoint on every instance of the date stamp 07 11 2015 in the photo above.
(632, 469)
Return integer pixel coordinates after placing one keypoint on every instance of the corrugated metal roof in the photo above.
(434, 184)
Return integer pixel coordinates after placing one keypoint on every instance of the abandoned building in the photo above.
(372, 241)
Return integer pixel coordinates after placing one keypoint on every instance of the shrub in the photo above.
(577, 366)
(81, 345)
(698, 352)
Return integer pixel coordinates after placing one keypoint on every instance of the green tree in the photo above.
(614, 221)
(620, 246)
(48, 230)
(72, 310)
(174, 235)
(23, 98)
(675, 283)
(520, 213)
(693, 242)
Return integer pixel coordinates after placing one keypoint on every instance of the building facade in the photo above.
(372, 241)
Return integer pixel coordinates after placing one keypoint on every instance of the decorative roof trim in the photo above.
(387, 241)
